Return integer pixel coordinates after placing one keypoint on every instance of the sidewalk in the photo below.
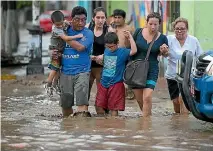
(22, 52)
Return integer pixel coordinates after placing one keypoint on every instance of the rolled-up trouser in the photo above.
(74, 85)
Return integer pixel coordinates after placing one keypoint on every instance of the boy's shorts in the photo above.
(55, 63)
(112, 98)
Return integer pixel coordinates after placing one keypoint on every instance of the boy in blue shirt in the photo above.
(111, 90)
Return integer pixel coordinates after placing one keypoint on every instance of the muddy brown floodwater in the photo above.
(30, 121)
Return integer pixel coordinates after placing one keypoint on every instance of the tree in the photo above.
(10, 28)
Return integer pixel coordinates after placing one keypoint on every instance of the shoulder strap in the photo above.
(105, 28)
(135, 35)
(150, 46)
(91, 26)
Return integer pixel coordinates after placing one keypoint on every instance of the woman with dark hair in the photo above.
(99, 27)
(160, 47)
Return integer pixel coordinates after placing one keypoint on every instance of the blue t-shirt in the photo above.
(73, 61)
(114, 66)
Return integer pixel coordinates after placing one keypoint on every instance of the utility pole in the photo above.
(35, 44)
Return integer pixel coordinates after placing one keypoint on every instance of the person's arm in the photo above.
(99, 59)
(68, 38)
(76, 45)
(130, 20)
(111, 29)
(84, 43)
(164, 49)
(132, 43)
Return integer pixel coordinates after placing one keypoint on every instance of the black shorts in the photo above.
(173, 89)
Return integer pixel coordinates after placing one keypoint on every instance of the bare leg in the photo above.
(55, 80)
(82, 108)
(139, 97)
(129, 93)
(176, 105)
(183, 109)
(51, 76)
(114, 113)
(91, 81)
(99, 110)
(67, 112)
(147, 102)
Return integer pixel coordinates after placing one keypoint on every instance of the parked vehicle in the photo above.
(196, 84)
(45, 20)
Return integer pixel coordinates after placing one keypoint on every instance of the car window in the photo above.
(66, 15)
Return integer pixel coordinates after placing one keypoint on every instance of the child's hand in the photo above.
(127, 34)
(66, 22)
(79, 36)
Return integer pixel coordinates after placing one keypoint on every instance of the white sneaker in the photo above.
(48, 89)
(57, 89)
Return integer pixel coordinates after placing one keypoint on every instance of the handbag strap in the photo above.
(150, 46)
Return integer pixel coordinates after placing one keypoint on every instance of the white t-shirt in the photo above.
(175, 52)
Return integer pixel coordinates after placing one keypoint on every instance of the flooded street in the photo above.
(30, 121)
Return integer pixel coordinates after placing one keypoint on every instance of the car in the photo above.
(195, 81)
(45, 19)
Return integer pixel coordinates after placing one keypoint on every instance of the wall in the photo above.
(87, 5)
(203, 27)
(140, 10)
(187, 11)
(111, 5)
(200, 20)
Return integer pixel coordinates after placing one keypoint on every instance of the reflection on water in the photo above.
(30, 122)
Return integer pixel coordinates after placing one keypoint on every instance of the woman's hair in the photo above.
(180, 19)
(99, 9)
(154, 15)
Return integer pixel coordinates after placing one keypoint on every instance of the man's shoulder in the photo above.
(87, 30)
(130, 28)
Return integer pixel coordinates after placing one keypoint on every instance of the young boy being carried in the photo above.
(57, 42)
(111, 90)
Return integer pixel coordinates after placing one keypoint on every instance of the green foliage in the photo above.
(22, 4)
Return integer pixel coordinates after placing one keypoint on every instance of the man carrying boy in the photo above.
(57, 42)
(76, 63)
(111, 90)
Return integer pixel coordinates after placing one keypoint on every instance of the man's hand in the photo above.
(93, 57)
